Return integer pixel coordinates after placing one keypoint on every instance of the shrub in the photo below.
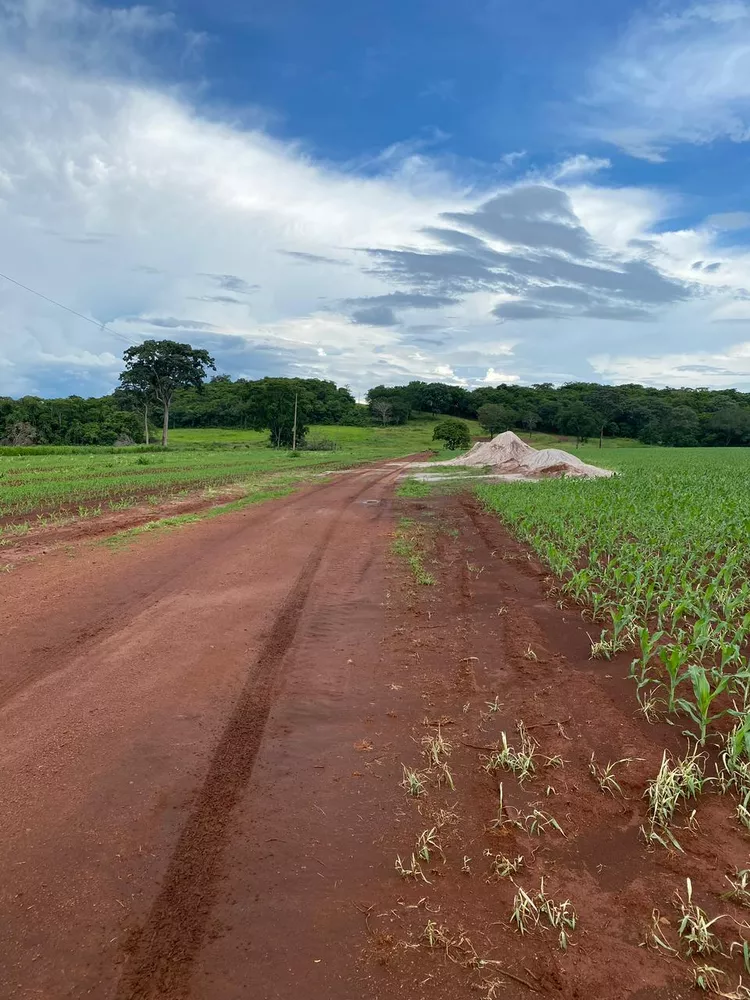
(454, 432)
(319, 444)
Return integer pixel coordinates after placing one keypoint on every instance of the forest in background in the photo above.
(672, 417)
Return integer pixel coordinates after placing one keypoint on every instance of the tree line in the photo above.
(582, 410)
(167, 384)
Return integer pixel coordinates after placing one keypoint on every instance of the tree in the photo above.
(430, 397)
(604, 404)
(579, 421)
(494, 418)
(161, 367)
(270, 406)
(681, 427)
(138, 400)
(382, 408)
(530, 419)
(20, 434)
(729, 426)
(454, 432)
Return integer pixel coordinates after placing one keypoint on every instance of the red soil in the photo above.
(203, 742)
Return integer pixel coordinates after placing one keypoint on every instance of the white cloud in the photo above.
(677, 76)
(716, 369)
(82, 359)
(121, 199)
(576, 166)
(494, 377)
(511, 159)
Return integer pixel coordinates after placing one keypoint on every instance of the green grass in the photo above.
(51, 481)
(62, 480)
(540, 440)
(411, 541)
(410, 438)
(413, 489)
(206, 436)
(658, 557)
(259, 495)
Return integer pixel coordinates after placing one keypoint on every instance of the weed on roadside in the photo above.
(413, 488)
(411, 542)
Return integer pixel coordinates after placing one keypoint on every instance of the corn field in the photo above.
(658, 560)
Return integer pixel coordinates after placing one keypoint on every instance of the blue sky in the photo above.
(376, 192)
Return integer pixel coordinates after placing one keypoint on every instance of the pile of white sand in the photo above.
(508, 454)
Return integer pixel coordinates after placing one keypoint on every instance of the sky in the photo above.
(379, 191)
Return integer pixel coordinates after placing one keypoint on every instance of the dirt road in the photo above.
(203, 741)
(135, 686)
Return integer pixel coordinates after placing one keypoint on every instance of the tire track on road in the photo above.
(118, 614)
(160, 964)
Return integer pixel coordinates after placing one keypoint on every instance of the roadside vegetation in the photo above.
(47, 481)
(167, 385)
(650, 784)
(412, 541)
(656, 559)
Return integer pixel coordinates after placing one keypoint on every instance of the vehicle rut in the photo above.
(160, 964)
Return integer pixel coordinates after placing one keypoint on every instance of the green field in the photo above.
(415, 436)
(658, 557)
(89, 481)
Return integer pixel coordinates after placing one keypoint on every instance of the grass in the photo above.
(428, 843)
(413, 489)
(502, 866)
(54, 480)
(48, 480)
(740, 886)
(531, 910)
(413, 782)
(411, 542)
(542, 440)
(604, 776)
(260, 495)
(414, 436)
(411, 869)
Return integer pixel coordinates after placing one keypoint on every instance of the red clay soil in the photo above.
(203, 739)
(68, 528)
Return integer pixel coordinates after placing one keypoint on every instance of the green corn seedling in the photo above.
(700, 711)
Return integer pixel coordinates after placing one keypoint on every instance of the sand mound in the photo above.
(508, 454)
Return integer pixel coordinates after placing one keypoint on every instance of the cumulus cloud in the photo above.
(719, 369)
(122, 199)
(494, 377)
(577, 166)
(679, 74)
(535, 250)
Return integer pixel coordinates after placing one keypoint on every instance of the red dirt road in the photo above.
(203, 737)
(134, 690)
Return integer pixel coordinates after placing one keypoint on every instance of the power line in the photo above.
(54, 302)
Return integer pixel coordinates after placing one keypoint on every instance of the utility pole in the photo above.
(294, 429)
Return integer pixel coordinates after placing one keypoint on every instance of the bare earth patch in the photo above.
(263, 758)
